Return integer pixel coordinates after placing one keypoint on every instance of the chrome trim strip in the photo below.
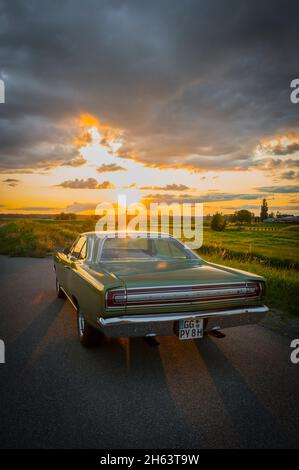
(68, 297)
(131, 319)
(186, 295)
(177, 286)
(224, 289)
(190, 302)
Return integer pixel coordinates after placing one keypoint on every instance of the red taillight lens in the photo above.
(116, 298)
(256, 288)
(253, 288)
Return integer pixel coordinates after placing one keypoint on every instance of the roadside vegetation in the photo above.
(271, 250)
(282, 283)
(39, 238)
(269, 244)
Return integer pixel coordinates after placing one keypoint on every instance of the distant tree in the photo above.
(243, 216)
(271, 215)
(66, 216)
(218, 222)
(230, 218)
(264, 210)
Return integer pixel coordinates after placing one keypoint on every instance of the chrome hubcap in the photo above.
(81, 323)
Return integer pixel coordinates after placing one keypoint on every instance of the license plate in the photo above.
(190, 329)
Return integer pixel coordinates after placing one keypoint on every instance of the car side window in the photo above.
(83, 252)
(79, 248)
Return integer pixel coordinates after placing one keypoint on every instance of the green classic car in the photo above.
(147, 284)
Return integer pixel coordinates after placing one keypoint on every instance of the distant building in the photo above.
(280, 216)
(287, 219)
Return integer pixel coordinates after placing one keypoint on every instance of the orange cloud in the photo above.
(108, 134)
(89, 183)
(168, 187)
(83, 138)
(279, 145)
(110, 167)
(88, 120)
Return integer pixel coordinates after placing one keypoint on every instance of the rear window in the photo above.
(144, 249)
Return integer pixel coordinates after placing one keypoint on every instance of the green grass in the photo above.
(39, 238)
(282, 283)
(274, 248)
(272, 254)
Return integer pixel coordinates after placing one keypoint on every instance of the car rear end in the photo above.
(187, 311)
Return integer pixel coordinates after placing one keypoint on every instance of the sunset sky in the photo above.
(184, 101)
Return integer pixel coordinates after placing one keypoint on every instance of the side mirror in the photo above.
(66, 251)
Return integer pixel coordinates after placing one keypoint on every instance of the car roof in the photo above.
(123, 233)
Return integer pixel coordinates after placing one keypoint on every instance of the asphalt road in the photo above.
(241, 391)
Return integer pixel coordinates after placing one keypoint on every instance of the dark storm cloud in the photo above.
(192, 83)
(12, 182)
(167, 187)
(290, 175)
(279, 189)
(89, 183)
(288, 149)
(208, 197)
(272, 164)
(37, 208)
(110, 168)
(81, 206)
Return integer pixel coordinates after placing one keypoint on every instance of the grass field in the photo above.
(261, 250)
(279, 247)
(282, 283)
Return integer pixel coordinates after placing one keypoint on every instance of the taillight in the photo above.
(257, 289)
(116, 298)
(253, 288)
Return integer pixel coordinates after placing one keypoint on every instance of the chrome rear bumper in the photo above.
(163, 324)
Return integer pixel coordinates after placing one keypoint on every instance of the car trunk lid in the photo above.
(181, 286)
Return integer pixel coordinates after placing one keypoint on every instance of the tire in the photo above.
(59, 292)
(88, 336)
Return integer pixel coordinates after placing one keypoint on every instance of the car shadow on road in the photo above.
(98, 397)
(116, 394)
(254, 423)
(21, 349)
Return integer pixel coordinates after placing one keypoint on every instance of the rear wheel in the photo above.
(88, 336)
(59, 291)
